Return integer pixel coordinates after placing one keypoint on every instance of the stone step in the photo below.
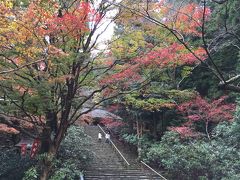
(125, 177)
(119, 175)
(107, 165)
(124, 170)
(119, 178)
(109, 173)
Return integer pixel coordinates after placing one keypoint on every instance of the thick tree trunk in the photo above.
(51, 154)
(47, 163)
(45, 173)
(50, 144)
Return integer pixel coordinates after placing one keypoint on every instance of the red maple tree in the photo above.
(199, 109)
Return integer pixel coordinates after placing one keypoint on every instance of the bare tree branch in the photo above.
(20, 67)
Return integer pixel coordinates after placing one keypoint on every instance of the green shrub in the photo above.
(218, 158)
(191, 159)
(73, 155)
(130, 138)
(12, 165)
(67, 171)
(31, 174)
(75, 146)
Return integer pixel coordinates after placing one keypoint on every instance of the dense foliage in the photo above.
(75, 146)
(171, 70)
(12, 164)
(200, 158)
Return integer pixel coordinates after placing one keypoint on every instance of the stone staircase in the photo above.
(107, 165)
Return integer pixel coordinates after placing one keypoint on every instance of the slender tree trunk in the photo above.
(141, 129)
(206, 129)
(138, 137)
(162, 124)
(154, 132)
(131, 125)
(138, 129)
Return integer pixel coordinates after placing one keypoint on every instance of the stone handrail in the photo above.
(153, 170)
(115, 147)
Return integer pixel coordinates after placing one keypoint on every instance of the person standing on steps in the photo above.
(99, 136)
(107, 136)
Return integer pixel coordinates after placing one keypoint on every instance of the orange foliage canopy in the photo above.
(51, 21)
(6, 129)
